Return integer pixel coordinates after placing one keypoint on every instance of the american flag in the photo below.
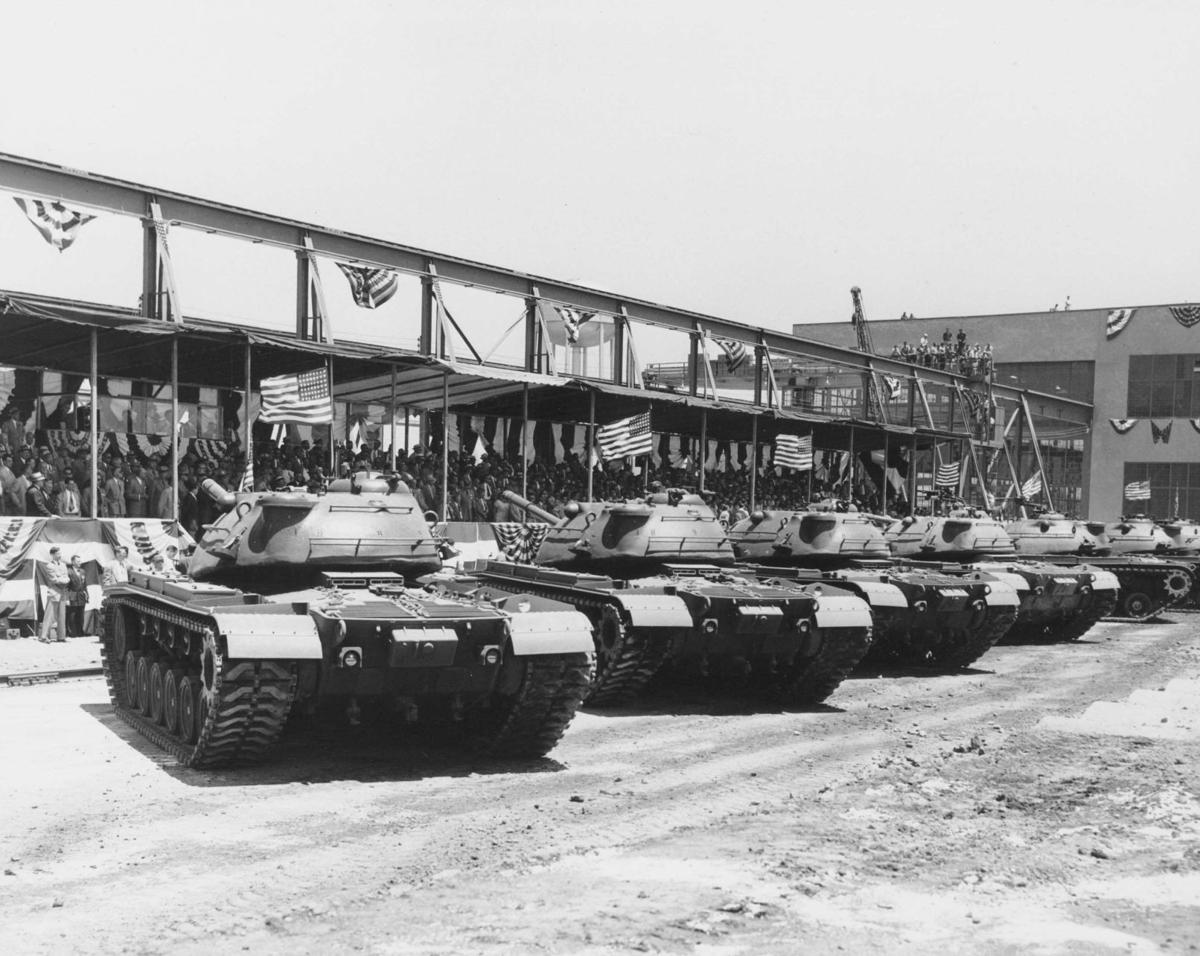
(629, 436)
(248, 475)
(211, 450)
(1032, 486)
(794, 451)
(297, 398)
(370, 287)
(1138, 491)
(735, 354)
(58, 224)
(947, 475)
(892, 384)
(572, 319)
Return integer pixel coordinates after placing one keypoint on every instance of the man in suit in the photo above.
(57, 582)
(37, 502)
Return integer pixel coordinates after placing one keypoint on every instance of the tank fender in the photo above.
(654, 610)
(1014, 580)
(550, 632)
(1104, 580)
(1002, 594)
(291, 637)
(882, 595)
(837, 611)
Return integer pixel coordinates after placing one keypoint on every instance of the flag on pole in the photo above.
(58, 224)
(1138, 491)
(793, 451)
(893, 386)
(183, 420)
(248, 474)
(735, 354)
(370, 288)
(297, 398)
(1032, 486)
(629, 436)
(946, 476)
(572, 319)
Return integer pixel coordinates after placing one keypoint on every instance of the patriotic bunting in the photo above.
(793, 451)
(947, 475)
(1122, 425)
(58, 224)
(1186, 315)
(1117, 320)
(519, 542)
(572, 319)
(297, 398)
(629, 436)
(1138, 491)
(370, 288)
(1161, 434)
(211, 450)
(1195, 424)
(735, 354)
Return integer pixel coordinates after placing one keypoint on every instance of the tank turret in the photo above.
(1053, 533)
(286, 538)
(963, 535)
(664, 527)
(1184, 536)
(821, 536)
(1135, 534)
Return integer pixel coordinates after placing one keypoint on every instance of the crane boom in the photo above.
(859, 321)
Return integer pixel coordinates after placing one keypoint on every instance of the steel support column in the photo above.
(93, 427)
(591, 440)
(392, 430)
(445, 446)
(524, 442)
(247, 446)
(174, 429)
(753, 460)
(703, 445)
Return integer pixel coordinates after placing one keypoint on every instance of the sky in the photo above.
(750, 160)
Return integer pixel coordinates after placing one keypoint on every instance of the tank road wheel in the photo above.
(187, 692)
(131, 680)
(143, 684)
(123, 639)
(157, 670)
(1137, 604)
(625, 659)
(170, 696)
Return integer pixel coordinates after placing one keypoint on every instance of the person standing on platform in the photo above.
(18, 489)
(57, 581)
(113, 504)
(136, 493)
(70, 501)
(13, 431)
(6, 481)
(118, 571)
(37, 502)
(76, 596)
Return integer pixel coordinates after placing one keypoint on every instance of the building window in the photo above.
(1068, 379)
(1163, 386)
(1174, 488)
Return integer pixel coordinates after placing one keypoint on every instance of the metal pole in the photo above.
(445, 446)
(591, 440)
(407, 448)
(95, 414)
(703, 445)
(912, 478)
(246, 445)
(393, 419)
(174, 428)
(332, 449)
(850, 496)
(753, 459)
(524, 453)
(883, 485)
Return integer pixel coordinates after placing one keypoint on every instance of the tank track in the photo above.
(1142, 594)
(1074, 628)
(622, 671)
(810, 680)
(234, 720)
(538, 713)
(972, 644)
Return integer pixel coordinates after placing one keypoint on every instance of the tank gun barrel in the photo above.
(529, 506)
(225, 499)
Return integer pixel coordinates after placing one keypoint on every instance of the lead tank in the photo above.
(655, 575)
(1058, 602)
(922, 616)
(1152, 577)
(209, 672)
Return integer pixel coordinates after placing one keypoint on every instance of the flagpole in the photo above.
(393, 418)
(174, 428)
(524, 451)
(93, 425)
(246, 447)
(591, 437)
(912, 478)
(850, 496)
(646, 465)
(703, 445)
(883, 485)
(445, 446)
(753, 459)
(332, 449)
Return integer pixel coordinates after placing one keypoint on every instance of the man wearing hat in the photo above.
(57, 581)
(37, 502)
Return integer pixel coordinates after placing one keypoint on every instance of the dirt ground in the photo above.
(1006, 809)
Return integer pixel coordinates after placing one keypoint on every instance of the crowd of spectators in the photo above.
(952, 354)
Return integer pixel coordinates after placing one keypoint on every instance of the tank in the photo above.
(1060, 600)
(656, 577)
(1152, 575)
(921, 616)
(210, 672)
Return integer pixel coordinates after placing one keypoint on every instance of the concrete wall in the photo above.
(1078, 335)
